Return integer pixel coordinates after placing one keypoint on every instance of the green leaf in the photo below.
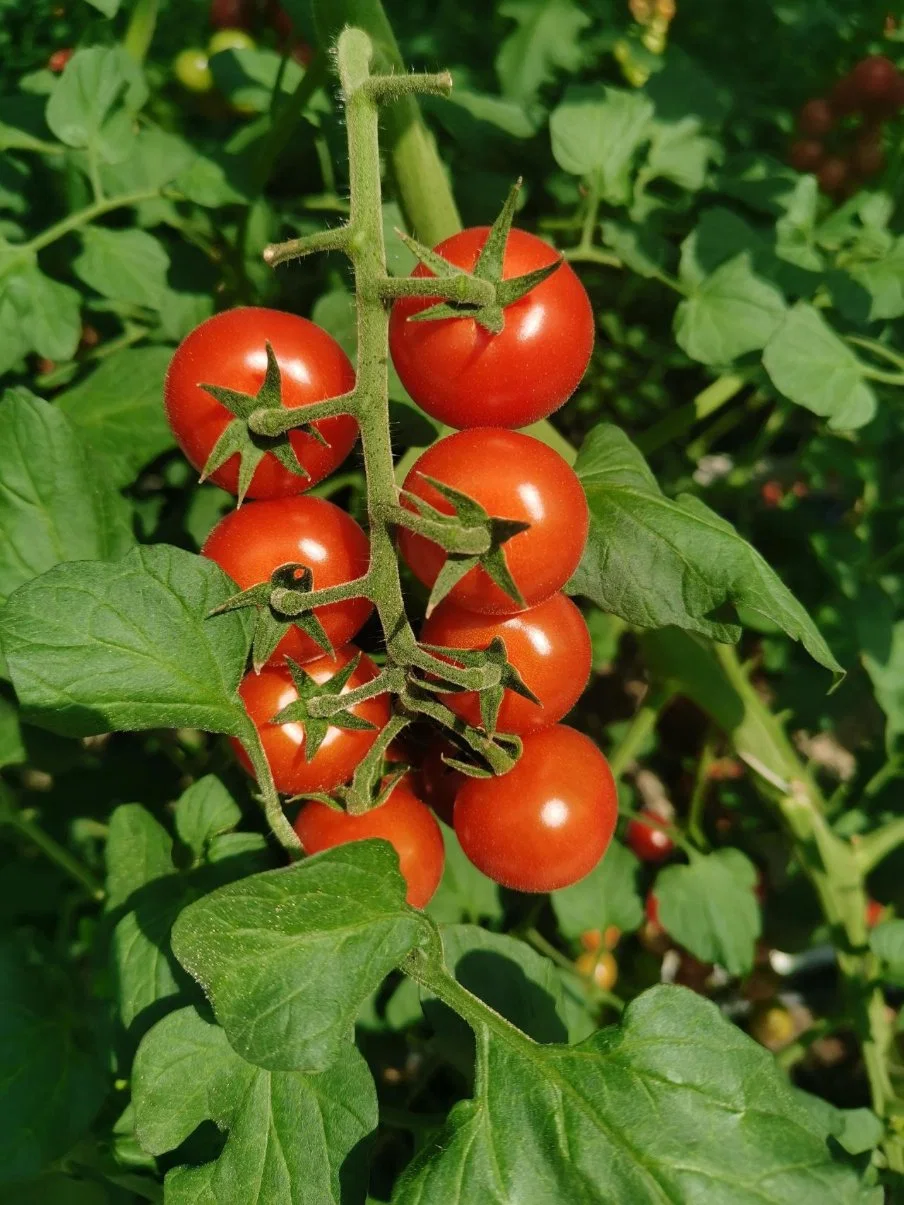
(206, 810)
(606, 896)
(287, 957)
(659, 563)
(680, 153)
(718, 1120)
(141, 876)
(12, 746)
(730, 313)
(52, 1085)
(884, 281)
(885, 666)
(54, 503)
(887, 942)
(119, 412)
(545, 42)
(156, 158)
(248, 77)
(97, 647)
(709, 907)
(124, 265)
(293, 1139)
(464, 893)
(596, 132)
(92, 105)
(42, 316)
(811, 366)
(108, 7)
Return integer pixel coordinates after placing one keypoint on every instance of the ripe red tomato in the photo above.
(806, 154)
(648, 842)
(229, 350)
(816, 118)
(873, 913)
(251, 542)
(466, 377)
(546, 823)
(403, 820)
(834, 175)
(267, 693)
(233, 14)
(513, 477)
(875, 79)
(867, 156)
(548, 645)
(58, 60)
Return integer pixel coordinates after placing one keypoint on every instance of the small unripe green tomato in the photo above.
(229, 39)
(191, 69)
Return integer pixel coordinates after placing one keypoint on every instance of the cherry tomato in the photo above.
(868, 157)
(267, 693)
(438, 782)
(403, 820)
(547, 822)
(513, 477)
(834, 175)
(873, 913)
(806, 154)
(845, 96)
(230, 350)
(191, 69)
(229, 39)
(466, 377)
(816, 118)
(251, 542)
(233, 14)
(875, 79)
(58, 60)
(548, 645)
(648, 842)
(602, 969)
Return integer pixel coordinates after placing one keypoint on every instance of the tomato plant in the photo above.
(287, 918)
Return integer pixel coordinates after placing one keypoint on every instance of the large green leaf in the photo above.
(596, 132)
(810, 364)
(673, 1105)
(124, 265)
(54, 502)
(709, 907)
(93, 104)
(38, 314)
(293, 1139)
(119, 410)
(288, 957)
(52, 1085)
(546, 41)
(659, 562)
(606, 896)
(97, 647)
(730, 313)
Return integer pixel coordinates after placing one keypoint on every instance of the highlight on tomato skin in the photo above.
(403, 820)
(251, 542)
(547, 822)
(229, 350)
(648, 841)
(512, 476)
(548, 645)
(267, 693)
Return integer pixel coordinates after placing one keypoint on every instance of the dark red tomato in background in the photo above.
(403, 820)
(647, 841)
(512, 476)
(548, 645)
(58, 60)
(233, 14)
(806, 154)
(834, 175)
(844, 96)
(464, 376)
(251, 542)
(229, 350)
(867, 157)
(816, 118)
(547, 822)
(875, 80)
(267, 693)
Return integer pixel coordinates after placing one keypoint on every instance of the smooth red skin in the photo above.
(649, 843)
(464, 376)
(546, 823)
(816, 118)
(512, 476)
(249, 543)
(229, 350)
(266, 693)
(806, 155)
(874, 79)
(403, 820)
(548, 645)
(233, 14)
(833, 176)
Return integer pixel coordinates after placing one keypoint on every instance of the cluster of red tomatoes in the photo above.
(547, 822)
(840, 135)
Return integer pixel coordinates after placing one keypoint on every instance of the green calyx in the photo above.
(491, 696)
(240, 440)
(300, 711)
(288, 584)
(489, 315)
